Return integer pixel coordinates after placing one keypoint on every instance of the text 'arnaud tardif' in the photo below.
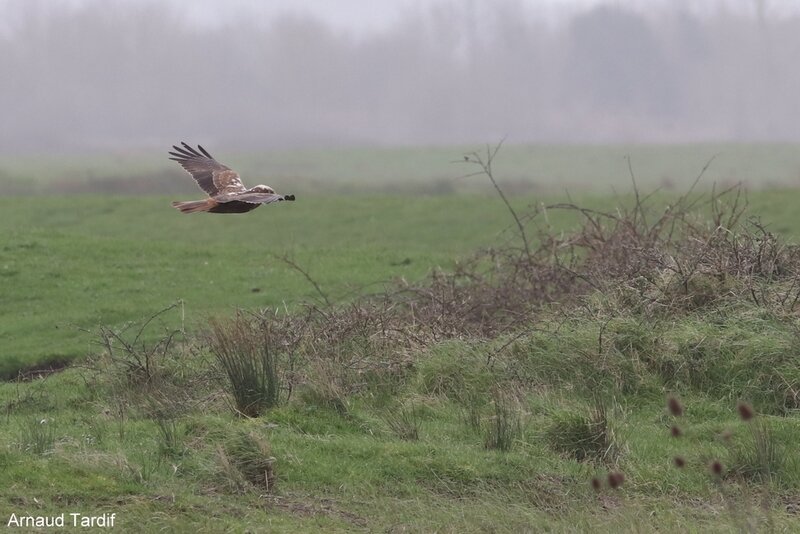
(72, 519)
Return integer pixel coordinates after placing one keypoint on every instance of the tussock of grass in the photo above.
(505, 426)
(758, 455)
(328, 386)
(454, 370)
(248, 356)
(37, 436)
(403, 422)
(247, 458)
(171, 436)
(583, 437)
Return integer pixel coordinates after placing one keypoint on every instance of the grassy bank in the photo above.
(418, 450)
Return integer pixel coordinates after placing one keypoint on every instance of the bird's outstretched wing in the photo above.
(212, 176)
(253, 198)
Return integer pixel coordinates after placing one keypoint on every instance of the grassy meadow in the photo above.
(389, 419)
(69, 264)
(413, 170)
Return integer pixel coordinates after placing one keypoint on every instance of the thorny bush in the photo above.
(651, 258)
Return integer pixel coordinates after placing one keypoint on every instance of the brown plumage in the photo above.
(226, 192)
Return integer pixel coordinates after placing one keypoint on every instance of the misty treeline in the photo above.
(109, 74)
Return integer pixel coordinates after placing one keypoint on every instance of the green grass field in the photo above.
(69, 265)
(404, 452)
(73, 264)
(430, 170)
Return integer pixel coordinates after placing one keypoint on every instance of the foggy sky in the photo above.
(90, 74)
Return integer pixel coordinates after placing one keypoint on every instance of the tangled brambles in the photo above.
(632, 269)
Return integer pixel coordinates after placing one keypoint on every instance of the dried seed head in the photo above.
(675, 431)
(745, 411)
(680, 462)
(726, 436)
(675, 407)
(716, 468)
(596, 484)
(615, 479)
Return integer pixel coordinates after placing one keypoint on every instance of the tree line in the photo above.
(102, 74)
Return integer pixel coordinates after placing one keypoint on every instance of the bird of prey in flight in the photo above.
(226, 192)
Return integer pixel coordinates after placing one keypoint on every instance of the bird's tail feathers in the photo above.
(194, 206)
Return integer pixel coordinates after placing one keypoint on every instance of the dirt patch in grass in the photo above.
(37, 370)
(314, 508)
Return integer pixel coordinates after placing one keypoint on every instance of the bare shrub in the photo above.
(361, 348)
(648, 260)
(140, 361)
(684, 260)
(149, 367)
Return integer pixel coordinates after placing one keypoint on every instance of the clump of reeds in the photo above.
(249, 358)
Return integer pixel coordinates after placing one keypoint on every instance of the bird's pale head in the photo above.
(263, 189)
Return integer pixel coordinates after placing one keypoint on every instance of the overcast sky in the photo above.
(104, 73)
(358, 15)
(377, 15)
(372, 15)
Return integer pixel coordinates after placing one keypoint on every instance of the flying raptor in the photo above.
(226, 192)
